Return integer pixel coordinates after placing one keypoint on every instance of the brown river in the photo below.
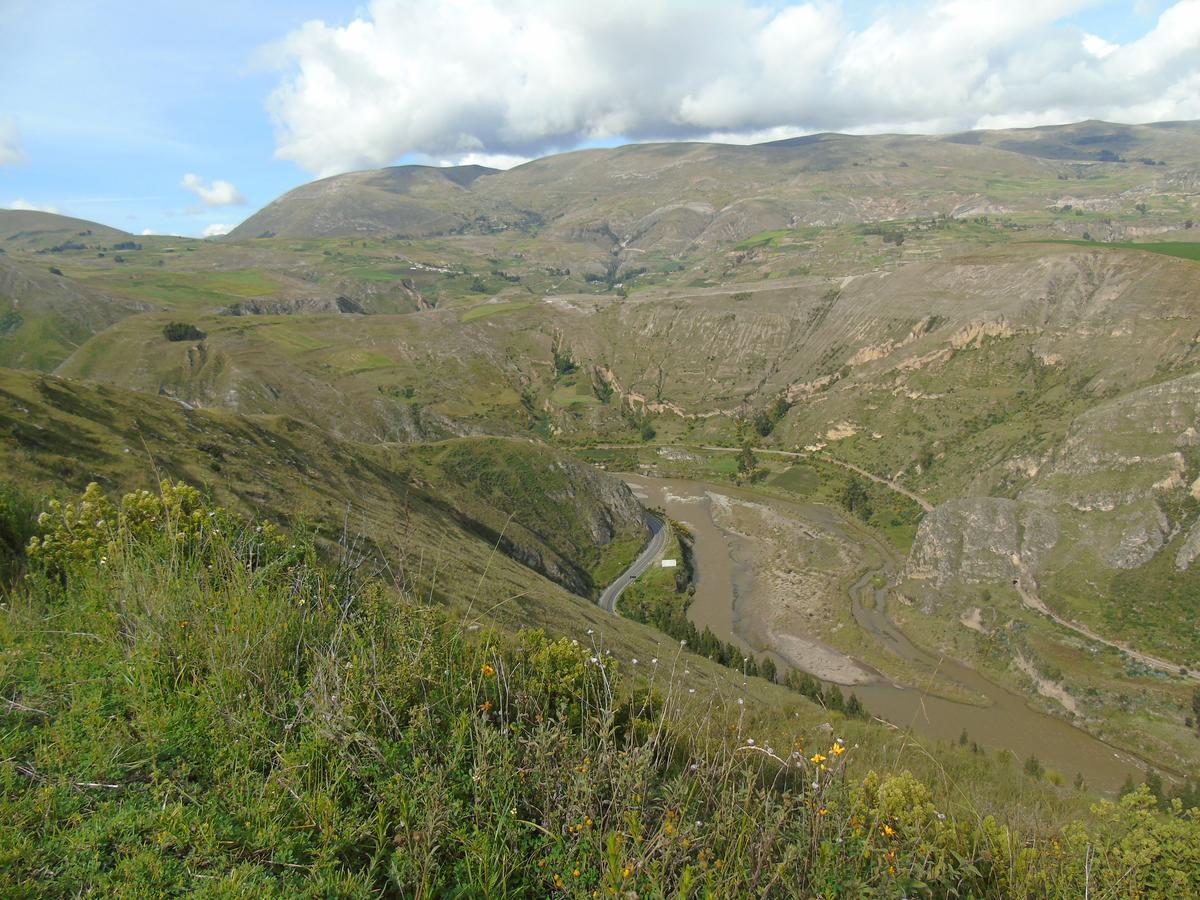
(740, 593)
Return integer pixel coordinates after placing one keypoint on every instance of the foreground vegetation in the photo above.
(196, 703)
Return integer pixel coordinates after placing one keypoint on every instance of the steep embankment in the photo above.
(414, 507)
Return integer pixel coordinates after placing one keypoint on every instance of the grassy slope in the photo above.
(764, 324)
(178, 720)
(413, 510)
(45, 317)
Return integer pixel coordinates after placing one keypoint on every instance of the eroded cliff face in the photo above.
(611, 507)
(981, 540)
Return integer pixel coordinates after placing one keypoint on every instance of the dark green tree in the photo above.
(854, 707)
(856, 498)
(767, 669)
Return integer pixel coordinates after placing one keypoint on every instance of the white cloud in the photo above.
(217, 193)
(216, 230)
(490, 160)
(11, 153)
(1098, 46)
(24, 205)
(513, 79)
(146, 232)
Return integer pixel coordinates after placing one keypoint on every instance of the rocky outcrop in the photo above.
(1109, 487)
(984, 540)
(1190, 549)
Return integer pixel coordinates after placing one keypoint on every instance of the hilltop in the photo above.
(34, 230)
(409, 200)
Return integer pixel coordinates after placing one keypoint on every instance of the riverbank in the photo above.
(792, 579)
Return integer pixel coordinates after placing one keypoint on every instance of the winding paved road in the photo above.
(658, 540)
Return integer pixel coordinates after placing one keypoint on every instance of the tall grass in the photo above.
(18, 523)
(231, 716)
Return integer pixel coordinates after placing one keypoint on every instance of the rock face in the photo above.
(612, 510)
(1190, 549)
(985, 540)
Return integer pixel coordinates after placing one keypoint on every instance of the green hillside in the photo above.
(216, 710)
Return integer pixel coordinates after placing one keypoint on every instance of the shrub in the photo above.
(182, 331)
(94, 531)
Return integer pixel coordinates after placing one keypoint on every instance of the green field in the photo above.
(1181, 249)
(186, 288)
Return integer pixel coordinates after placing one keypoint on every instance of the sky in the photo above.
(184, 118)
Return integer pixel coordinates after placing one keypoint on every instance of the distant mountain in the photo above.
(29, 229)
(1094, 141)
(682, 197)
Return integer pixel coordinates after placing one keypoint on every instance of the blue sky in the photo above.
(107, 106)
(115, 103)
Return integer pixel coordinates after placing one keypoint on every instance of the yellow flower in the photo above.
(822, 811)
(889, 830)
(627, 871)
(816, 758)
(837, 749)
(576, 873)
(487, 670)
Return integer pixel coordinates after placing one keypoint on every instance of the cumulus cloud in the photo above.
(217, 193)
(216, 230)
(513, 79)
(24, 205)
